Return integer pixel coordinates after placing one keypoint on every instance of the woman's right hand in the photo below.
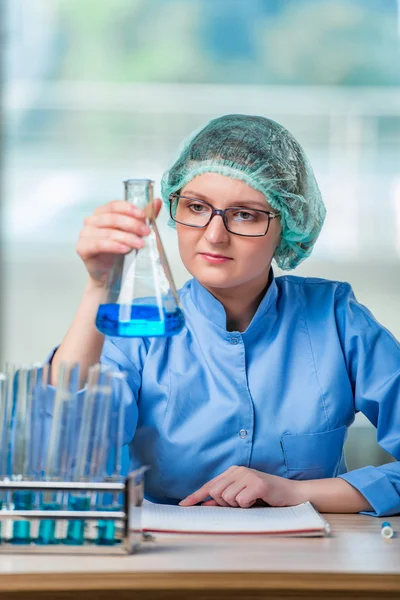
(115, 228)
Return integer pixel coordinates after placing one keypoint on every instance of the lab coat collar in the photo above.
(213, 310)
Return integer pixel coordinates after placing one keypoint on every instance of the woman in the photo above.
(252, 400)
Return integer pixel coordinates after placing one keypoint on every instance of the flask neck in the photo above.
(139, 192)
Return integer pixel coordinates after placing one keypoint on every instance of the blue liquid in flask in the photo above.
(144, 321)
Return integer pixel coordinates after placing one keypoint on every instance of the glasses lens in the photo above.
(190, 211)
(246, 221)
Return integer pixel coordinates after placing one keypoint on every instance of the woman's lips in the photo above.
(215, 258)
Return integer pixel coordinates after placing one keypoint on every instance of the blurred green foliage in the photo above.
(333, 42)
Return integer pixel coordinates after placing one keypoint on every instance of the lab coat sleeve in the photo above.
(117, 356)
(372, 356)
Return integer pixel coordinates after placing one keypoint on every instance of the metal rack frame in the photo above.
(132, 488)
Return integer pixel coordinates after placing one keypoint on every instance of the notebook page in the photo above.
(210, 519)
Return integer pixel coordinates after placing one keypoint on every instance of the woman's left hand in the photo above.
(242, 487)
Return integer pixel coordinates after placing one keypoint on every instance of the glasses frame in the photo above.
(221, 213)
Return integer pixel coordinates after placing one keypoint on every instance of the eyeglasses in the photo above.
(240, 220)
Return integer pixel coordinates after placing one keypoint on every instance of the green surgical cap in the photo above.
(266, 156)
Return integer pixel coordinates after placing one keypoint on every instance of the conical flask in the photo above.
(140, 296)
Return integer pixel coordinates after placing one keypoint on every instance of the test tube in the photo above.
(3, 414)
(60, 451)
(3, 405)
(9, 424)
(101, 447)
(76, 529)
(41, 414)
(101, 425)
(83, 457)
(96, 448)
(6, 454)
(118, 424)
(22, 499)
(39, 417)
(113, 458)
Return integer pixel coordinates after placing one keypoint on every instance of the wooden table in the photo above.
(355, 562)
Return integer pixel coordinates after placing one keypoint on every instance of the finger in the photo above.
(117, 221)
(157, 206)
(218, 491)
(247, 497)
(199, 495)
(216, 502)
(91, 247)
(217, 485)
(231, 491)
(153, 209)
(120, 206)
(128, 239)
(231, 476)
(124, 207)
(213, 489)
(202, 494)
(221, 502)
(225, 478)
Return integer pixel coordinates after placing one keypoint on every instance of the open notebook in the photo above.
(301, 520)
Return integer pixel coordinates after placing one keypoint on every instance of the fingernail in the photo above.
(145, 230)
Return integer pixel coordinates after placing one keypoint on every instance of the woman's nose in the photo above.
(216, 232)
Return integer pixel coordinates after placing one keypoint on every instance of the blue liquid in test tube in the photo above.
(106, 529)
(76, 528)
(23, 500)
(47, 527)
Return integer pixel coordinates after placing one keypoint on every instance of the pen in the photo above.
(387, 531)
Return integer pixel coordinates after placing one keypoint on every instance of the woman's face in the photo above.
(245, 259)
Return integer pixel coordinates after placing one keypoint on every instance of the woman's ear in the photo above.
(279, 232)
(278, 236)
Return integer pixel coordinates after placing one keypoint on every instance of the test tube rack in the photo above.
(132, 489)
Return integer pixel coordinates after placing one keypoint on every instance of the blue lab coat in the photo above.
(278, 397)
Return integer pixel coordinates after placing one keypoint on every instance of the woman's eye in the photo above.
(243, 215)
(197, 207)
